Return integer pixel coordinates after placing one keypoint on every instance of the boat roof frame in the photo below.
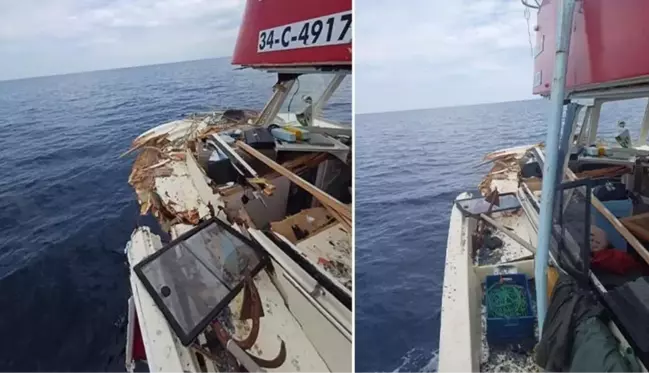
(593, 105)
(299, 69)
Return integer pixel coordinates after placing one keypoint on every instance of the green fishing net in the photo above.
(506, 300)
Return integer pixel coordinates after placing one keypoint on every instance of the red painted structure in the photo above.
(609, 45)
(264, 14)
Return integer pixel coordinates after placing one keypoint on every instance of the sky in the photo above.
(413, 54)
(408, 54)
(48, 37)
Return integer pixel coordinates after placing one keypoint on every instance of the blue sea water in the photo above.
(66, 210)
(410, 166)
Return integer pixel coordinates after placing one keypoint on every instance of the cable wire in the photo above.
(528, 5)
(526, 14)
(294, 93)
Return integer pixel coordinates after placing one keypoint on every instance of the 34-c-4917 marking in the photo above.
(316, 32)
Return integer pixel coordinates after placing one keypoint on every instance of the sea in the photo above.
(66, 210)
(410, 166)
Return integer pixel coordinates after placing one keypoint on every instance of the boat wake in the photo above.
(418, 360)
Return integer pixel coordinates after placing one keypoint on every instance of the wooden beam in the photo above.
(324, 198)
(631, 239)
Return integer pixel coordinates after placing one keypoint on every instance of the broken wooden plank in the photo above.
(605, 172)
(323, 197)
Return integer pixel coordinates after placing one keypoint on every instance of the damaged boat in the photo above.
(547, 269)
(250, 269)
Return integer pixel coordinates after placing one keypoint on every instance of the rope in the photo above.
(506, 300)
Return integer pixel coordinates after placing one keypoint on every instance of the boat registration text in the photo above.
(316, 32)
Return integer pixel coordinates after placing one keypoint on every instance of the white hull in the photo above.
(461, 334)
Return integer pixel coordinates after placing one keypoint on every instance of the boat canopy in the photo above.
(609, 45)
(289, 36)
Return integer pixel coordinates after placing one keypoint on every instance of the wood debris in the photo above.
(607, 172)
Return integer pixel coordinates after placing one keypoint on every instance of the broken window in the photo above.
(195, 276)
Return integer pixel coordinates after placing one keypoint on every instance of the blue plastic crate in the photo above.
(513, 330)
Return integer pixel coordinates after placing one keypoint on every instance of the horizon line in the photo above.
(110, 69)
(392, 111)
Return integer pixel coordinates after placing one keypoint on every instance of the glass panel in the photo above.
(477, 206)
(192, 277)
(223, 253)
(186, 287)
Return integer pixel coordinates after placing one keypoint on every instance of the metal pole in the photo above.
(564, 30)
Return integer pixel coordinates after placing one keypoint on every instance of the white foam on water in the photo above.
(417, 360)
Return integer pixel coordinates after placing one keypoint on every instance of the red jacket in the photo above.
(616, 261)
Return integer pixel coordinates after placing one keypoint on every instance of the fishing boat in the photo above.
(546, 267)
(248, 264)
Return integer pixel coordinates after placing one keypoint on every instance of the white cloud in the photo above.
(431, 53)
(50, 37)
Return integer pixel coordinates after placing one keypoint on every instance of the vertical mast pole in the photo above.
(564, 30)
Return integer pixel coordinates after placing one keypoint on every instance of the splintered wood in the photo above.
(505, 168)
(607, 172)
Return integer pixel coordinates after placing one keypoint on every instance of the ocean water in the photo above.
(66, 210)
(410, 166)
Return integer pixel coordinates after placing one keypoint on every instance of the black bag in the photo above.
(570, 305)
(629, 304)
(259, 138)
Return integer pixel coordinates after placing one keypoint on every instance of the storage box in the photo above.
(301, 134)
(259, 138)
(220, 169)
(510, 330)
(284, 135)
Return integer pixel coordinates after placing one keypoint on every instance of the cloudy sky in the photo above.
(432, 53)
(45, 37)
(409, 53)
